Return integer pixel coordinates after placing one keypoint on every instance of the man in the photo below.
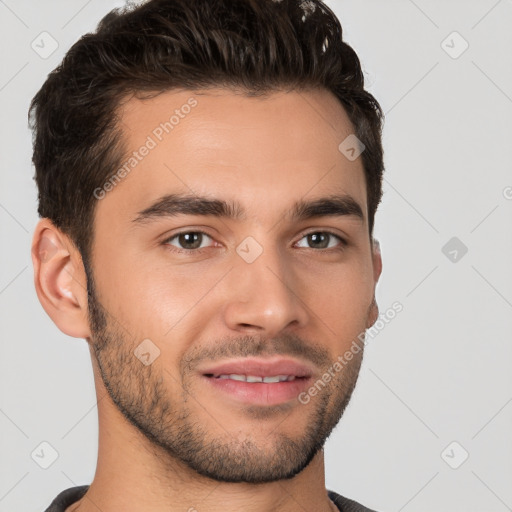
(208, 174)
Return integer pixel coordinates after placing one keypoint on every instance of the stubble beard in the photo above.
(167, 420)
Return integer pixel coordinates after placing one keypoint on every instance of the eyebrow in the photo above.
(172, 205)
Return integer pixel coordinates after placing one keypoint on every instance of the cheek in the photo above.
(159, 301)
(341, 299)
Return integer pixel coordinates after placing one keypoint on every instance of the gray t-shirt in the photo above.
(73, 494)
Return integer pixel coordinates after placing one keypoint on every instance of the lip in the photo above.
(260, 366)
(259, 393)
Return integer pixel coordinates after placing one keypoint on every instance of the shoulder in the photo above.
(347, 505)
(67, 498)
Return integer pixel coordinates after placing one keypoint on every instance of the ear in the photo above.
(59, 279)
(373, 312)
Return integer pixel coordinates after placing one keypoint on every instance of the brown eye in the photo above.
(188, 240)
(323, 240)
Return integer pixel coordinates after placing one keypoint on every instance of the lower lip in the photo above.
(260, 393)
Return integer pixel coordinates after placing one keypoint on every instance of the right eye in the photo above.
(187, 241)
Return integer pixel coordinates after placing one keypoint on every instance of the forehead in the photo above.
(263, 151)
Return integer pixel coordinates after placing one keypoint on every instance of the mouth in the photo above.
(255, 378)
(259, 381)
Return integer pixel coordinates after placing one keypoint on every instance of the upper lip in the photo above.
(260, 367)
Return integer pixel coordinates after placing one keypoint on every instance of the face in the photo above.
(231, 269)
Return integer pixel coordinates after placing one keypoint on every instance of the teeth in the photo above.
(234, 376)
(255, 378)
(251, 378)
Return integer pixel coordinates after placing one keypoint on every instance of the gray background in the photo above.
(436, 384)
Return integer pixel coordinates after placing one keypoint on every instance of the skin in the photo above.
(266, 153)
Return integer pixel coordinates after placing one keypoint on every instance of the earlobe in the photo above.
(377, 260)
(373, 311)
(59, 279)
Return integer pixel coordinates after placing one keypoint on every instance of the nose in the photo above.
(265, 297)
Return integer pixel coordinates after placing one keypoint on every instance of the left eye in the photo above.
(321, 240)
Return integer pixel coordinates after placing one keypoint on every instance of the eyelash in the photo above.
(343, 242)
